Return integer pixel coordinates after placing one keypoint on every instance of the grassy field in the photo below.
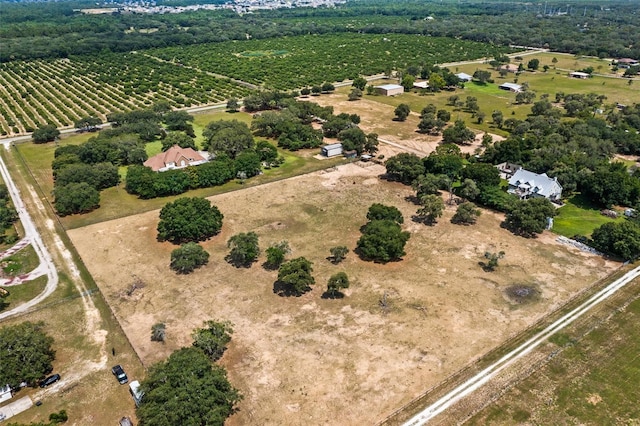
(372, 359)
(24, 292)
(578, 217)
(593, 381)
(22, 262)
(116, 202)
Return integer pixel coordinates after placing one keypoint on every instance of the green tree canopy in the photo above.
(213, 338)
(404, 167)
(431, 210)
(178, 138)
(75, 198)
(458, 133)
(44, 134)
(25, 353)
(466, 214)
(336, 283)
(382, 241)
(244, 249)
(189, 219)
(230, 137)
(186, 389)
(294, 277)
(188, 257)
(338, 254)
(276, 254)
(529, 217)
(379, 211)
(402, 111)
(359, 83)
(618, 238)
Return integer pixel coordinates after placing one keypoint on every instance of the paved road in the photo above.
(31, 233)
(488, 373)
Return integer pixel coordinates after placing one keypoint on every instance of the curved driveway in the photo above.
(33, 236)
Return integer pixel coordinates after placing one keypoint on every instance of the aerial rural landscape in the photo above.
(319, 212)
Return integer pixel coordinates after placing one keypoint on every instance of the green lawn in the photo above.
(19, 294)
(22, 262)
(577, 217)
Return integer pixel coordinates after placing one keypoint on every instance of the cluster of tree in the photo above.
(20, 342)
(382, 239)
(432, 120)
(81, 171)
(621, 239)
(291, 125)
(577, 152)
(189, 220)
(43, 30)
(8, 214)
(187, 388)
(45, 133)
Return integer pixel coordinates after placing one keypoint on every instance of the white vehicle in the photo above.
(136, 393)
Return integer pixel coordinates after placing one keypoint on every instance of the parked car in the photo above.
(49, 380)
(118, 371)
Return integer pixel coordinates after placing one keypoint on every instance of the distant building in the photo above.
(175, 158)
(511, 87)
(464, 77)
(510, 67)
(526, 184)
(578, 74)
(625, 63)
(421, 85)
(331, 150)
(390, 89)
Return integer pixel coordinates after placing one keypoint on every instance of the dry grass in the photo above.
(311, 360)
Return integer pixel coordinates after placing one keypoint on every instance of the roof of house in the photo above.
(332, 146)
(511, 86)
(579, 73)
(464, 76)
(535, 183)
(390, 87)
(421, 84)
(172, 156)
(627, 61)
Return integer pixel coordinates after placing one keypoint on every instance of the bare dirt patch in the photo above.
(312, 360)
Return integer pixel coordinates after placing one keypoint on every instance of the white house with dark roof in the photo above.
(526, 184)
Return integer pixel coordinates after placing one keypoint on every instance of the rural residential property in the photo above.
(327, 212)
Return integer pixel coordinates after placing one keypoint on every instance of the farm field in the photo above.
(287, 63)
(64, 90)
(593, 381)
(311, 360)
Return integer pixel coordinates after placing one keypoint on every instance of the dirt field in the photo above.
(378, 118)
(309, 360)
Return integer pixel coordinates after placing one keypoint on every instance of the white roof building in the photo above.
(526, 184)
(511, 86)
(464, 76)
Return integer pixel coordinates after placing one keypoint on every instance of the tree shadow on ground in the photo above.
(284, 290)
(238, 264)
(423, 220)
(332, 295)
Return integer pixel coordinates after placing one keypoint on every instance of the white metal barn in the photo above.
(390, 89)
(331, 150)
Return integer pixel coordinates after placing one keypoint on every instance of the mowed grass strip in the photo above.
(594, 381)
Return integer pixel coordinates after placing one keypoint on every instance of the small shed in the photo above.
(331, 150)
(511, 87)
(578, 74)
(390, 89)
(351, 154)
(421, 85)
(126, 421)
